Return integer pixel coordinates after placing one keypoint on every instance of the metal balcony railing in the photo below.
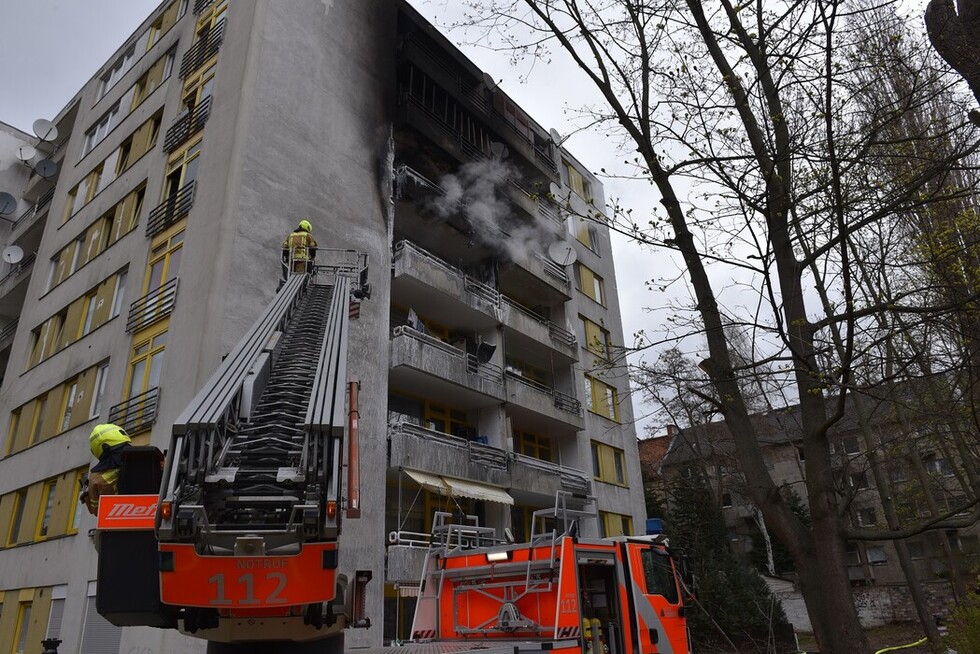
(571, 478)
(202, 50)
(473, 91)
(34, 209)
(152, 307)
(170, 210)
(483, 291)
(553, 269)
(138, 413)
(201, 5)
(562, 336)
(545, 208)
(186, 125)
(25, 264)
(8, 330)
(488, 371)
(562, 401)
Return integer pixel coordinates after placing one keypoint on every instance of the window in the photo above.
(101, 375)
(47, 504)
(101, 129)
(726, 500)
(590, 283)
(76, 515)
(174, 11)
(852, 554)
(12, 430)
(658, 574)
(69, 406)
(859, 480)
(445, 419)
(876, 555)
(601, 398)
(917, 549)
(597, 339)
(23, 622)
(164, 264)
(13, 534)
(56, 612)
(937, 465)
(98, 634)
(578, 183)
(867, 517)
(137, 144)
(850, 445)
(83, 192)
(152, 78)
(198, 89)
(608, 463)
(615, 524)
(898, 472)
(532, 445)
(118, 294)
(39, 414)
(145, 365)
(114, 74)
(181, 171)
(800, 454)
(968, 545)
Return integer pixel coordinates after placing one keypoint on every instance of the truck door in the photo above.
(658, 615)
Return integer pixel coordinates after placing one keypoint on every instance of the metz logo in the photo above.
(127, 511)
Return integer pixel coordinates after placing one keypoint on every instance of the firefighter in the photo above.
(107, 442)
(299, 248)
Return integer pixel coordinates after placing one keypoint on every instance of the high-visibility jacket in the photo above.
(299, 244)
(106, 442)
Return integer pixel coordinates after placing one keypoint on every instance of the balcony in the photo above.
(418, 448)
(533, 400)
(432, 367)
(202, 50)
(170, 210)
(534, 280)
(526, 325)
(186, 125)
(7, 334)
(138, 413)
(448, 75)
(201, 5)
(536, 203)
(10, 302)
(449, 295)
(34, 211)
(152, 307)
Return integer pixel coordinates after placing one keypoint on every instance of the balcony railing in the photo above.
(487, 370)
(571, 478)
(202, 50)
(34, 209)
(479, 289)
(152, 307)
(472, 91)
(25, 264)
(562, 336)
(138, 413)
(562, 401)
(8, 330)
(553, 269)
(170, 210)
(201, 5)
(188, 124)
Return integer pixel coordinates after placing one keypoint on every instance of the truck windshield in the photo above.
(659, 575)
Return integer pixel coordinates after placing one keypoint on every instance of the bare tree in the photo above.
(742, 117)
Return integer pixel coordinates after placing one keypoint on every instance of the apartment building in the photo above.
(484, 354)
(918, 469)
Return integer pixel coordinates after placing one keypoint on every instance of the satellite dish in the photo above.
(12, 254)
(26, 152)
(555, 136)
(489, 82)
(499, 150)
(46, 168)
(562, 253)
(45, 129)
(8, 203)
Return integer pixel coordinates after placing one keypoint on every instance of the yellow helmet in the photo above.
(106, 435)
(304, 225)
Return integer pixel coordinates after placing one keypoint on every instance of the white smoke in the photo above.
(478, 192)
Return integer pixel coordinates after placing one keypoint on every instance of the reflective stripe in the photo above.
(649, 617)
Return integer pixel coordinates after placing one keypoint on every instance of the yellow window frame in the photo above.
(46, 512)
(74, 516)
(16, 516)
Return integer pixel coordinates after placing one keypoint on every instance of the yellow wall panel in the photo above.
(64, 504)
(39, 620)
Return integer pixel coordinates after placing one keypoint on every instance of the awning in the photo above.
(459, 487)
(428, 482)
(477, 491)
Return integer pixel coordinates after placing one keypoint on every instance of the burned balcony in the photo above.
(152, 307)
(527, 395)
(428, 364)
(7, 333)
(203, 49)
(186, 125)
(138, 413)
(527, 324)
(168, 212)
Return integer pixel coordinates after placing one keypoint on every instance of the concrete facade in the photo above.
(150, 266)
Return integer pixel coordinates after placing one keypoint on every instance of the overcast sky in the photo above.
(51, 48)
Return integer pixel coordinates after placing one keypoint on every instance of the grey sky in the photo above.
(50, 48)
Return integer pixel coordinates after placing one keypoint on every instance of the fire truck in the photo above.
(232, 536)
